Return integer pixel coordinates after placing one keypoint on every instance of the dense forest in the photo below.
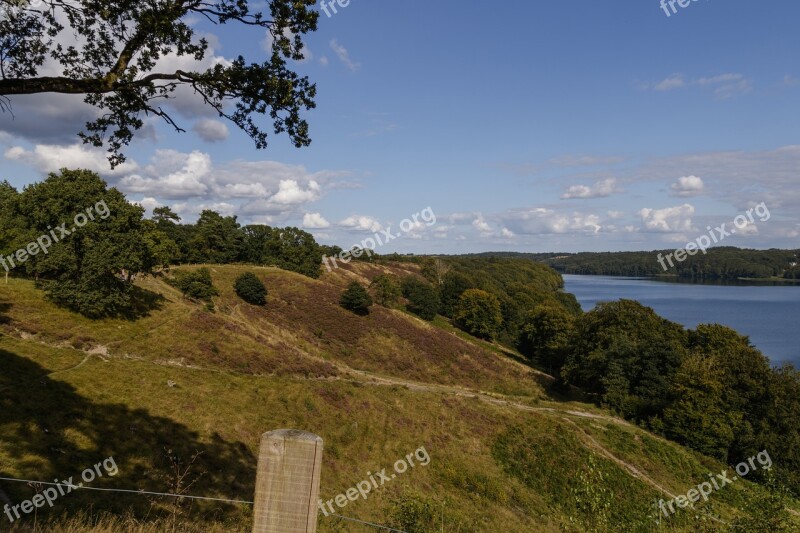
(724, 263)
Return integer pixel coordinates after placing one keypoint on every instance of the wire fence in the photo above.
(188, 497)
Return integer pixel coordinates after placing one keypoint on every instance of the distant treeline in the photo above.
(719, 264)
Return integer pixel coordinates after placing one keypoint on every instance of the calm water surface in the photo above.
(769, 315)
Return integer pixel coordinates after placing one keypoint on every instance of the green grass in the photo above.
(74, 392)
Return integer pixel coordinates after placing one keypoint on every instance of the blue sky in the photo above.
(528, 126)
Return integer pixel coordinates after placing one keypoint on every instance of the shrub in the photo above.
(356, 299)
(423, 299)
(195, 284)
(251, 289)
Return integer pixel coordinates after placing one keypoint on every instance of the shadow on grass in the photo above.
(543, 376)
(143, 302)
(140, 302)
(49, 431)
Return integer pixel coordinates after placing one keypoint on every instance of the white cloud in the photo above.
(747, 230)
(507, 233)
(315, 221)
(688, 186)
(669, 220)
(261, 188)
(544, 221)
(51, 158)
(361, 223)
(601, 189)
(673, 82)
(769, 176)
(586, 160)
(174, 175)
(188, 211)
(481, 225)
(724, 85)
(290, 192)
(324, 61)
(344, 56)
(148, 203)
(211, 130)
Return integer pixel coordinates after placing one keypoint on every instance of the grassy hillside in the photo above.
(180, 381)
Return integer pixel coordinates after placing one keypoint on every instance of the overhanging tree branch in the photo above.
(124, 41)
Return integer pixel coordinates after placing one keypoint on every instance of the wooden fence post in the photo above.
(287, 482)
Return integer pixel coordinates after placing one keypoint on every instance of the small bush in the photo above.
(251, 289)
(195, 284)
(356, 299)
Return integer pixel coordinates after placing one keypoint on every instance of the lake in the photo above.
(769, 315)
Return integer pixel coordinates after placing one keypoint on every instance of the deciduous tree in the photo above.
(478, 313)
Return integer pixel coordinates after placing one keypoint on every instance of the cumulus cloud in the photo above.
(668, 220)
(361, 223)
(315, 221)
(260, 189)
(344, 56)
(50, 158)
(688, 186)
(544, 221)
(148, 203)
(601, 189)
(211, 130)
(481, 225)
(173, 175)
(290, 192)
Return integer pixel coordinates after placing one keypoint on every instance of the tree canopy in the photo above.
(478, 313)
(117, 55)
(92, 255)
(356, 299)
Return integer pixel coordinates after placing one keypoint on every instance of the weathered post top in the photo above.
(287, 482)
